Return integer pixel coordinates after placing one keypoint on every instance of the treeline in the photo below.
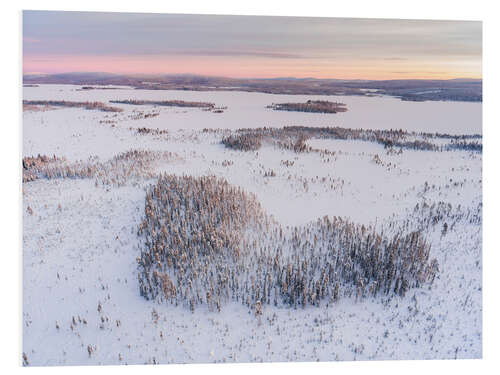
(165, 103)
(448, 95)
(317, 106)
(295, 137)
(464, 145)
(115, 171)
(98, 88)
(63, 103)
(206, 242)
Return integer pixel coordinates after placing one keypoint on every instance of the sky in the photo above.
(250, 46)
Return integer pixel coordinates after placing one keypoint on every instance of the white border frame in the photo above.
(11, 311)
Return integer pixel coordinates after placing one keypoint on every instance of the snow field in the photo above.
(80, 246)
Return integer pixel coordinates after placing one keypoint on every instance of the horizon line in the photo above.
(145, 75)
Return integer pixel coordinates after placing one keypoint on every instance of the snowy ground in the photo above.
(80, 243)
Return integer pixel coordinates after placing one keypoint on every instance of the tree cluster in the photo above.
(206, 242)
(144, 131)
(295, 138)
(243, 142)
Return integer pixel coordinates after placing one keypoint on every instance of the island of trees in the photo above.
(27, 104)
(166, 103)
(317, 106)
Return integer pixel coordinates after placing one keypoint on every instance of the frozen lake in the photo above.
(248, 110)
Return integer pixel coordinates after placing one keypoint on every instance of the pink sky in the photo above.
(57, 42)
(240, 67)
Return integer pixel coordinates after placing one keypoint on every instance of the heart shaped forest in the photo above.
(206, 242)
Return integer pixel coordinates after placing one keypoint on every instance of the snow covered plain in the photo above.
(81, 302)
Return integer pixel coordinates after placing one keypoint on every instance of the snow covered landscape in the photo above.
(385, 175)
